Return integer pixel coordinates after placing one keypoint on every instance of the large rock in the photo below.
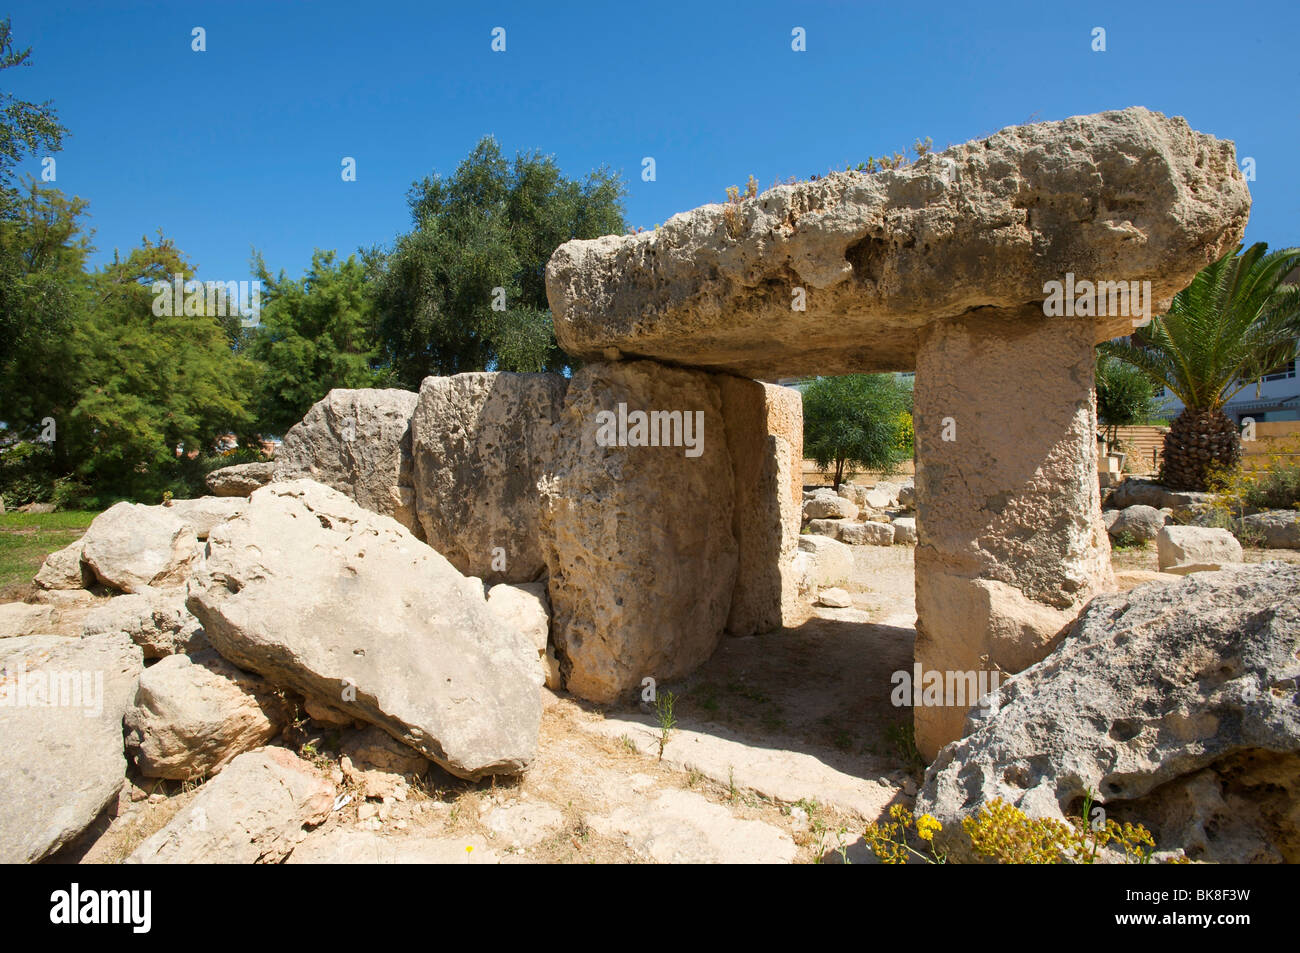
(638, 538)
(1117, 196)
(869, 533)
(1139, 523)
(764, 425)
(1171, 702)
(241, 479)
(254, 812)
(1278, 529)
(204, 512)
(155, 619)
(21, 618)
(480, 443)
(359, 443)
(340, 846)
(832, 561)
(1188, 549)
(347, 607)
(526, 608)
(829, 508)
(133, 547)
(193, 715)
(1137, 492)
(65, 569)
(62, 762)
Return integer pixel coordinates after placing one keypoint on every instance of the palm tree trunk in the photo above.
(1198, 443)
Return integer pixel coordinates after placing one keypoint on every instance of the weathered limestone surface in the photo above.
(1175, 703)
(193, 715)
(638, 539)
(61, 759)
(1011, 541)
(253, 812)
(764, 432)
(359, 443)
(65, 569)
(1118, 196)
(480, 443)
(240, 479)
(345, 606)
(132, 547)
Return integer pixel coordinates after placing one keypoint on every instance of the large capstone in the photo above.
(835, 276)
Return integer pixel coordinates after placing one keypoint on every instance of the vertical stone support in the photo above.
(765, 438)
(1011, 542)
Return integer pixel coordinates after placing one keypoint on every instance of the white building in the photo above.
(1278, 398)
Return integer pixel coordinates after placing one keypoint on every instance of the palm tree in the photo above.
(1238, 320)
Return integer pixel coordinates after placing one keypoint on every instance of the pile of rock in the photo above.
(862, 516)
(223, 615)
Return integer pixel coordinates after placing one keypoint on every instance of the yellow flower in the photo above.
(927, 827)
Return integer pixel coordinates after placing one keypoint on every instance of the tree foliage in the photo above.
(1125, 395)
(481, 238)
(1238, 320)
(856, 420)
(316, 333)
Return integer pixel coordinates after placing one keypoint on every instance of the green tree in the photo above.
(1125, 395)
(854, 421)
(1238, 320)
(316, 333)
(31, 299)
(149, 388)
(24, 127)
(481, 238)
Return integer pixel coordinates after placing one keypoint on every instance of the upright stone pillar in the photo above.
(1011, 540)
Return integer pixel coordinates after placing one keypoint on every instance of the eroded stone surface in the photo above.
(638, 538)
(359, 443)
(480, 443)
(1117, 196)
(1151, 687)
(346, 606)
(62, 760)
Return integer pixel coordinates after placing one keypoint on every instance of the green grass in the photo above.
(27, 538)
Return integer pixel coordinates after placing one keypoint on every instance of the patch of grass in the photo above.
(628, 744)
(27, 538)
(903, 736)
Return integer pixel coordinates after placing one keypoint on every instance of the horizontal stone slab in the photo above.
(1118, 196)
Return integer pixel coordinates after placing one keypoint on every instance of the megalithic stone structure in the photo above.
(942, 267)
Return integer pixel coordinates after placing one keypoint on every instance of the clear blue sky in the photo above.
(240, 146)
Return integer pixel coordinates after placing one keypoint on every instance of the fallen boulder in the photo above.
(1150, 690)
(241, 479)
(347, 607)
(193, 715)
(1276, 529)
(253, 812)
(132, 547)
(65, 569)
(1188, 549)
(62, 761)
(1139, 523)
(155, 619)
